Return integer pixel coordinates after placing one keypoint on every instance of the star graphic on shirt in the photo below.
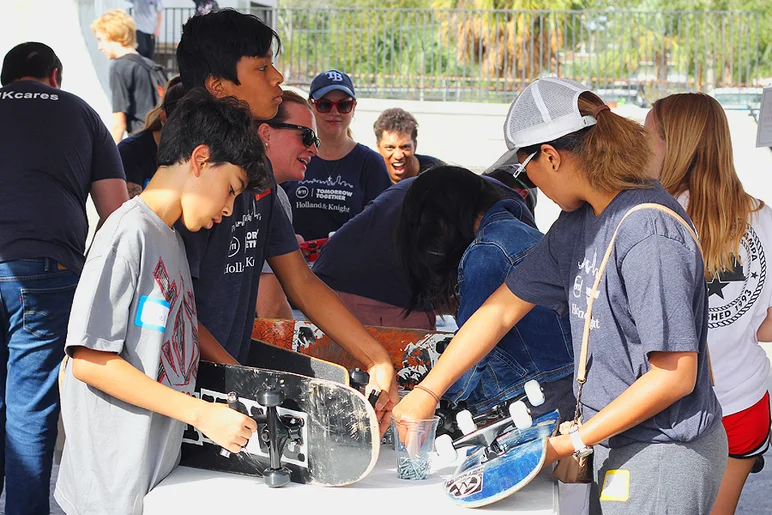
(716, 287)
(754, 275)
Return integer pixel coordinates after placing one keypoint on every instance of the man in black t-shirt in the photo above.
(131, 82)
(396, 136)
(56, 151)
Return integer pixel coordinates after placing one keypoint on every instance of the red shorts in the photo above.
(748, 430)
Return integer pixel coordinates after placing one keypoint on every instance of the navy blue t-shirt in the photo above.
(226, 262)
(427, 163)
(652, 298)
(138, 153)
(361, 259)
(53, 147)
(334, 192)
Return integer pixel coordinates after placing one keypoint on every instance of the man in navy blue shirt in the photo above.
(56, 151)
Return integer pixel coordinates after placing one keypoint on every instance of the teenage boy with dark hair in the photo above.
(133, 336)
(56, 151)
(230, 53)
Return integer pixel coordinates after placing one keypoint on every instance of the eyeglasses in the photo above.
(308, 136)
(343, 106)
(519, 168)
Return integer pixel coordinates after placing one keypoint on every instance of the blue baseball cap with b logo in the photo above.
(330, 81)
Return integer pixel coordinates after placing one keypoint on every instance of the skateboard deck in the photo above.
(263, 355)
(413, 351)
(334, 431)
(491, 473)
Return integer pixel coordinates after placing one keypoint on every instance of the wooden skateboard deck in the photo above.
(263, 355)
(413, 351)
(336, 428)
(485, 477)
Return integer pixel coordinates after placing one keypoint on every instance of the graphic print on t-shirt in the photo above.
(330, 194)
(741, 287)
(179, 353)
(244, 242)
(582, 288)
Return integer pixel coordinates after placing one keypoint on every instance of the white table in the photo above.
(193, 491)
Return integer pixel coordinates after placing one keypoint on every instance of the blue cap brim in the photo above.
(316, 95)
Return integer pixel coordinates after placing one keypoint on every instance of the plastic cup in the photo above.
(413, 454)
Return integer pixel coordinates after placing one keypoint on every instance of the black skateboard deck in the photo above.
(334, 431)
(263, 355)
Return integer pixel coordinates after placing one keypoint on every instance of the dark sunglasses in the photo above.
(308, 136)
(343, 106)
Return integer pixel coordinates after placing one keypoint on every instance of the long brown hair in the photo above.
(613, 154)
(698, 160)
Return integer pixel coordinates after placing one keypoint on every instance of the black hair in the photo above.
(214, 43)
(30, 59)
(225, 126)
(434, 228)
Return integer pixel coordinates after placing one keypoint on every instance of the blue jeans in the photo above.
(35, 301)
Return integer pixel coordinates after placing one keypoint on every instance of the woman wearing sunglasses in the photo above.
(345, 175)
(290, 144)
(650, 417)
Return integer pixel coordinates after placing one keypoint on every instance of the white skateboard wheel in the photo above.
(466, 422)
(520, 415)
(445, 449)
(534, 393)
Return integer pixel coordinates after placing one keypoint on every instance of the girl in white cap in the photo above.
(648, 409)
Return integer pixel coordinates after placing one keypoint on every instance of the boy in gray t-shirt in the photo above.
(133, 336)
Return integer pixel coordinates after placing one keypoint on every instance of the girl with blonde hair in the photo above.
(650, 417)
(693, 159)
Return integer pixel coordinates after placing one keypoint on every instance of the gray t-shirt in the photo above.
(135, 298)
(281, 195)
(653, 297)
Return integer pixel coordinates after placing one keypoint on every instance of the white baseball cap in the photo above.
(547, 109)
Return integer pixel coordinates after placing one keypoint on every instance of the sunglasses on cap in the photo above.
(308, 136)
(343, 106)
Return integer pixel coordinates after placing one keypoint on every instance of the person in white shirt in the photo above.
(693, 160)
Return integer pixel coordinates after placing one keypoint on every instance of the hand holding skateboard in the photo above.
(225, 426)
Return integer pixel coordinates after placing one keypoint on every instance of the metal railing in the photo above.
(487, 55)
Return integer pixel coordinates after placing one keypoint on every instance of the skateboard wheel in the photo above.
(275, 478)
(445, 449)
(270, 397)
(359, 377)
(534, 393)
(465, 422)
(520, 415)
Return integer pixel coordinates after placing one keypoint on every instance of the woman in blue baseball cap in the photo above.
(345, 175)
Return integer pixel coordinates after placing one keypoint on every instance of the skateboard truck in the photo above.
(276, 434)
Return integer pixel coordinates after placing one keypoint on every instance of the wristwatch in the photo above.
(580, 449)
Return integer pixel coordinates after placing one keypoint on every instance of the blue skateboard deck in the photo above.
(486, 477)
